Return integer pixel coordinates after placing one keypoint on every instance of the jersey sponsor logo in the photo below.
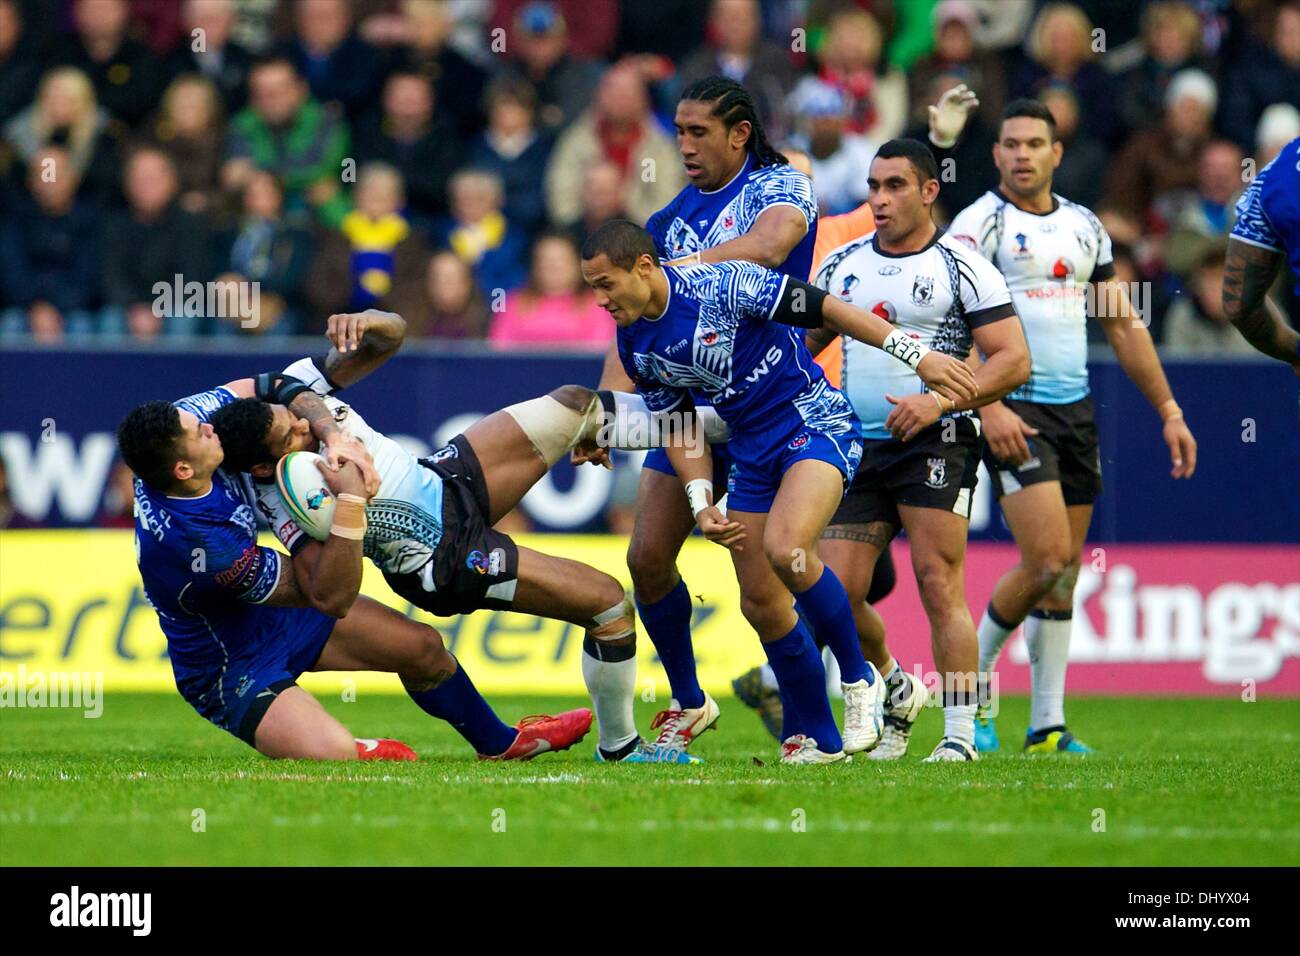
(938, 473)
(286, 531)
(885, 310)
(677, 346)
(848, 285)
(1062, 269)
(888, 271)
(923, 290)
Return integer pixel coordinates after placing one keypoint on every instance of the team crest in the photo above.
(445, 452)
(1085, 242)
(709, 337)
(923, 290)
(477, 561)
(799, 441)
(938, 473)
(848, 285)
(1022, 245)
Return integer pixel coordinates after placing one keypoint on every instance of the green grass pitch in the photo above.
(1176, 782)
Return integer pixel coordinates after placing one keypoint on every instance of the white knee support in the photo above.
(615, 623)
(553, 427)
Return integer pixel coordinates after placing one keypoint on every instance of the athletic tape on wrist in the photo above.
(698, 493)
(349, 517)
(904, 348)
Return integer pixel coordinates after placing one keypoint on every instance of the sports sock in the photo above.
(667, 622)
(457, 701)
(799, 671)
(1047, 637)
(610, 675)
(826, 607)
(993, 633)
(959, 715)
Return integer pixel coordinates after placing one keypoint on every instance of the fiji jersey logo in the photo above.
(709, 337)
(885, 310)
(938, 473)
(923, 290)
(1022, 245)
(492, 563)
(1062, 269)
(848, 285)
(1085, 242)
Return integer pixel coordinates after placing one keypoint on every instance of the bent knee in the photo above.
(576, 397)
(429, 662)
(653, 570)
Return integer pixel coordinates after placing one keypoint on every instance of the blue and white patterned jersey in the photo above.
(1268, 212)
(202, 568)
(715, 344)
(697, 220)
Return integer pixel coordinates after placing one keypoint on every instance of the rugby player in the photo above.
(431, 522)
(1041, 445)
(921, 449)
(721, 332)
(242, 622)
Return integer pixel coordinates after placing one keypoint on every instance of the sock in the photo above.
(667, 622)
(799, 671)
(610, 676)
(457, 701)
(1047, 636)
(993, 633)
(959, 715)
(826, 607)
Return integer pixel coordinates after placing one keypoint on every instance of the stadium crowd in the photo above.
(445, 158)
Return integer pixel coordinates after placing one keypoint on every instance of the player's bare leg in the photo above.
(297, 727)
(938, 545)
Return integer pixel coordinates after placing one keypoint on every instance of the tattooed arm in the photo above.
(362, 341)
(1247, 276)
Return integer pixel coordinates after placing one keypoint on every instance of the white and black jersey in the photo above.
(937, 295)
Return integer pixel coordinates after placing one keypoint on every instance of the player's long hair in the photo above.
(732, 104)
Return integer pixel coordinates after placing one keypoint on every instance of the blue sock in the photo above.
(667, 622)
(457, 701)
(802, 678)
(826, 607)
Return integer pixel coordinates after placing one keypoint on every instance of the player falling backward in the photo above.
(243, 622)
(723, 333)
(430, 525)
(1041, 440)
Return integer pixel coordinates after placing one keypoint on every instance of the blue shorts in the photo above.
(285, 642)
(656, 459)
(760, 461)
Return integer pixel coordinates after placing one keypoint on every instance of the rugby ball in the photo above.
(302, 488)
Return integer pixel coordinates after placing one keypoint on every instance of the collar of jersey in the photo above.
(745, 167)
(667, 302)
(875, 245)
(1056, 204)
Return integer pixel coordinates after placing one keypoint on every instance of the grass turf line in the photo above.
(1180, 782)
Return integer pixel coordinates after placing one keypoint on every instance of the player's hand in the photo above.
(345, 480)
(948, 118)
(911, 414)
(1006, 433)
(342, 450)
(346, 329)
(588, 452)
(950, 377)
(719, 529)
(1182, 447)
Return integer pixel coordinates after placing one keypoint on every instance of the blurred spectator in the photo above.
(191, 127)
(49, 263)
(126, 74)
(1001, 25)
(955, 54)
(602, 200)
(565, 85)
(208, 49)
(1278, 126)
(286, 132)
(1061, 51)
(840, 159)
(972, 169)
(1082, 172)
(1171, 42)
(512, 148)
(480, 234)
(851, 60)
(1267, 74)
(1164, 159)
(453, 306)
(375, 260)
(619, 128)
(599, 19)
(117, 510)
(252, 28)
(555, 308)
(1196, 323)
(415, 138)
(1202, 219)
(341, 69)
(265, 248)
(20, 62)
(152, 241)
(458, 82)
(737, 50)
(65, 114)
(158, 23)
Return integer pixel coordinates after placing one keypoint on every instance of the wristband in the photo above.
(349, 517)
(1171, 416)
(904, 348)
(939, 398)
(698, 493)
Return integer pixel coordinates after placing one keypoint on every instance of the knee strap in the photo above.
(613, 624)
(553, 427)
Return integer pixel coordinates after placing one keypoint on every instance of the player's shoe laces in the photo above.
(902, 707)
(801, 749)
(950, 748)
(541, 733)
(864, 712)
(679, 726)
(383, 748)
(750, 691)
(986, 735)
(643, 752)
(1054, 740)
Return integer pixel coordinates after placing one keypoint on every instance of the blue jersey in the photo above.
(1268, 212)
(697, 220)
(202, 568)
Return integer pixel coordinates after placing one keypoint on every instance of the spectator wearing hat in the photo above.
(840, 159)
(565, 85)
(1268, 74)
(514, 149)
(599, 19)
(1278, 126)
(956, 54)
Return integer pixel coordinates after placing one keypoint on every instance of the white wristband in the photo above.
(904, 348)
(699, 491)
